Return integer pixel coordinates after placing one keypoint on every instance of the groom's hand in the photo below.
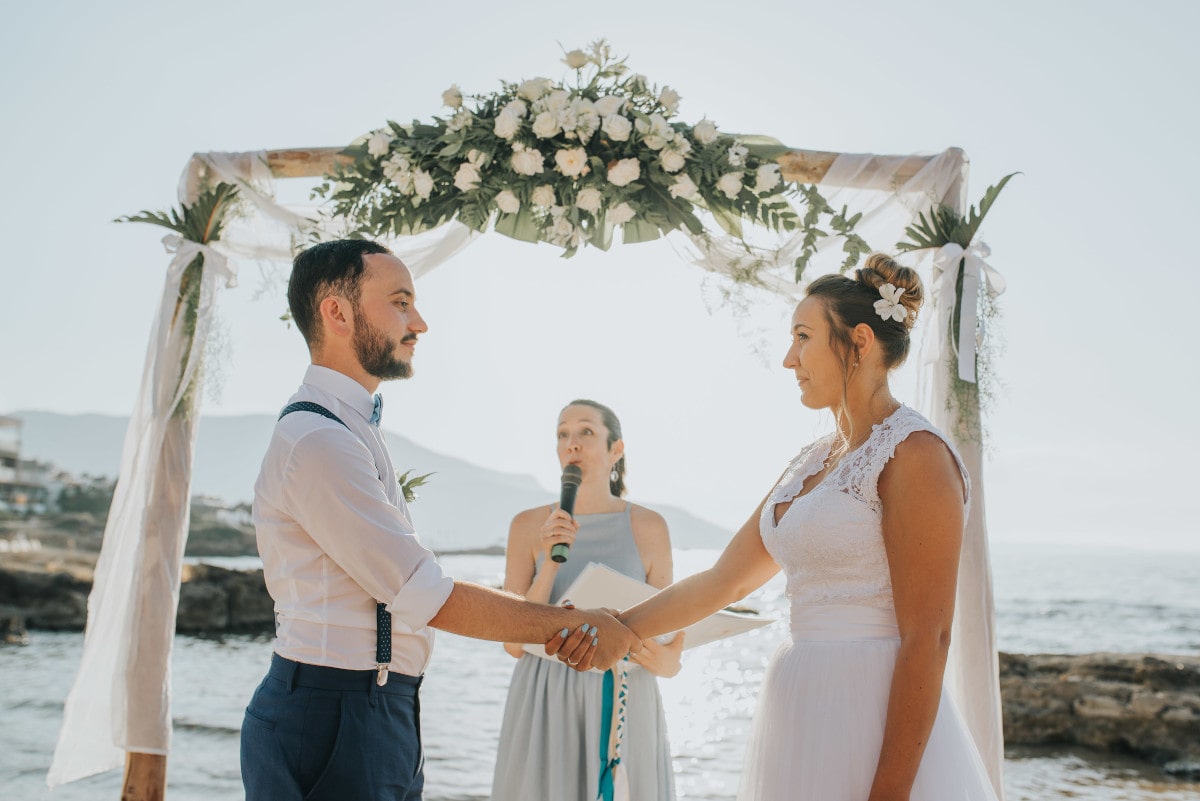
(606, 642)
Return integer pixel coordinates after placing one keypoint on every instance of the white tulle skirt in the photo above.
(821, 715)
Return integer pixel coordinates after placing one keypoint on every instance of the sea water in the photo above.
(1049, 599)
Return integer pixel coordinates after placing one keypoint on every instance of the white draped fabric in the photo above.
(121, 697)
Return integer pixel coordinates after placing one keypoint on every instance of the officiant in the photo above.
(557, 740)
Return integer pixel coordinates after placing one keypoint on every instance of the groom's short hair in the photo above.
(330, 268)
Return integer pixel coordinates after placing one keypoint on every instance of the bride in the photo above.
(867, 525)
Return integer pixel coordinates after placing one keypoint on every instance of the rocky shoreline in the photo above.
(1144, 705)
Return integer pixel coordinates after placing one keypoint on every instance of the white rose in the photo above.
(624, 172)
(731, 184)
(561, 231)
(528, 161)
(705, 131)
(684, 187)
(656, 131)
(379, 142)
(467, 177)
(517, 108)
(476, 157)
(672, 161)
(608, 106)
(589, 199)
(617, 127)
(571, 161)
(568, 119)
(766, 178)
(507, 125)
(507, 202)
(534, 88)
(545, 125)
(395, 166)
(543, 196)
(737, 155)
(669, 99)
(422, 184)
(621, 214)
(556, 101)
(681, 144)
(586, 119)
(460, 120)
(576, 59)
(452, 97)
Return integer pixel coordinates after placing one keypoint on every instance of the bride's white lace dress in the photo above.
(821, 713)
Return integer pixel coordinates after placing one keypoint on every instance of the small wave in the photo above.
(206, 728)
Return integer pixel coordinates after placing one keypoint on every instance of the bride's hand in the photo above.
(661, 660)
(559, 529)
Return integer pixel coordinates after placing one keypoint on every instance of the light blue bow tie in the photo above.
(377, 412)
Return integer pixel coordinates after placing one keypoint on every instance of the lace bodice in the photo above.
(830, 541)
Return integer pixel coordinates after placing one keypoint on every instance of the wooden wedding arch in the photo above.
(143, 547)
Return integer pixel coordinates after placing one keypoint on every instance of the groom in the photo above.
(356, 594)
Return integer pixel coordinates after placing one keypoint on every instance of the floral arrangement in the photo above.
(565, 163)
(939, 227)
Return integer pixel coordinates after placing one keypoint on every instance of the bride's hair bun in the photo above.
(882, 269)
(851, 301)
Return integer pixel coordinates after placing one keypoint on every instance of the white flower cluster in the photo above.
(565, 163)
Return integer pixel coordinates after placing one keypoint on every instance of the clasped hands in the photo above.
(600, 641)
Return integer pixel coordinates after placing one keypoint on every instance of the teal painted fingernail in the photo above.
(596, 641)
(566, 633)
(587, 629)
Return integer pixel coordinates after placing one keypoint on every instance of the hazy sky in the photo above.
(1092, 439)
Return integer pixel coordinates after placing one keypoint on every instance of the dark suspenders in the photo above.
(383, 618)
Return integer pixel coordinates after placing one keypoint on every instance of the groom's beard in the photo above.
(377, 353)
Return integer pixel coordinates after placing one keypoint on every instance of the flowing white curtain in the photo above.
(121, 696)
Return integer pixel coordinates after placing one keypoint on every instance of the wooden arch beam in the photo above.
(802, 166)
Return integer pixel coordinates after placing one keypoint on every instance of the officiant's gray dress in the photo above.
(550, 737)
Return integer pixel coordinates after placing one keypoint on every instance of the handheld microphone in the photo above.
(571, 477)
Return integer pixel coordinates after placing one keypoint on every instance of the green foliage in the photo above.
(94, 497)
(200, 222)
(934, 229)
(408, 486)
(944, 225)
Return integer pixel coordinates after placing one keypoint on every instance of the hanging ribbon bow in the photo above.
(186, 250)
(946, 261)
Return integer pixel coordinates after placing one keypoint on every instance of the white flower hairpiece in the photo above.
(889, 306)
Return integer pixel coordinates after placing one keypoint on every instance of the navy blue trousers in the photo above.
(323, 734)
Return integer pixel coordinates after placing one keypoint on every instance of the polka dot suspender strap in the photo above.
(383, 618)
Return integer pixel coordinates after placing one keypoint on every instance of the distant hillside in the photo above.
(463, 506)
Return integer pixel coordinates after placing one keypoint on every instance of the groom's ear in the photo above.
(336, 316)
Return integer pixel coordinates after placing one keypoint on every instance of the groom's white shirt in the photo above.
(335, 534)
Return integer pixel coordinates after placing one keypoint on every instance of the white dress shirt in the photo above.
(335, 536)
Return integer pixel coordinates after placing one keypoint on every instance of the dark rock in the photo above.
(53, 601)
(214, 599)
(1138, 704)
(12, 626)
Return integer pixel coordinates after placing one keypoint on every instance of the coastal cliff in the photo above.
(1144, 705)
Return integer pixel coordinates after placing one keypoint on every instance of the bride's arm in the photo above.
(743, 567)
(922, 494)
